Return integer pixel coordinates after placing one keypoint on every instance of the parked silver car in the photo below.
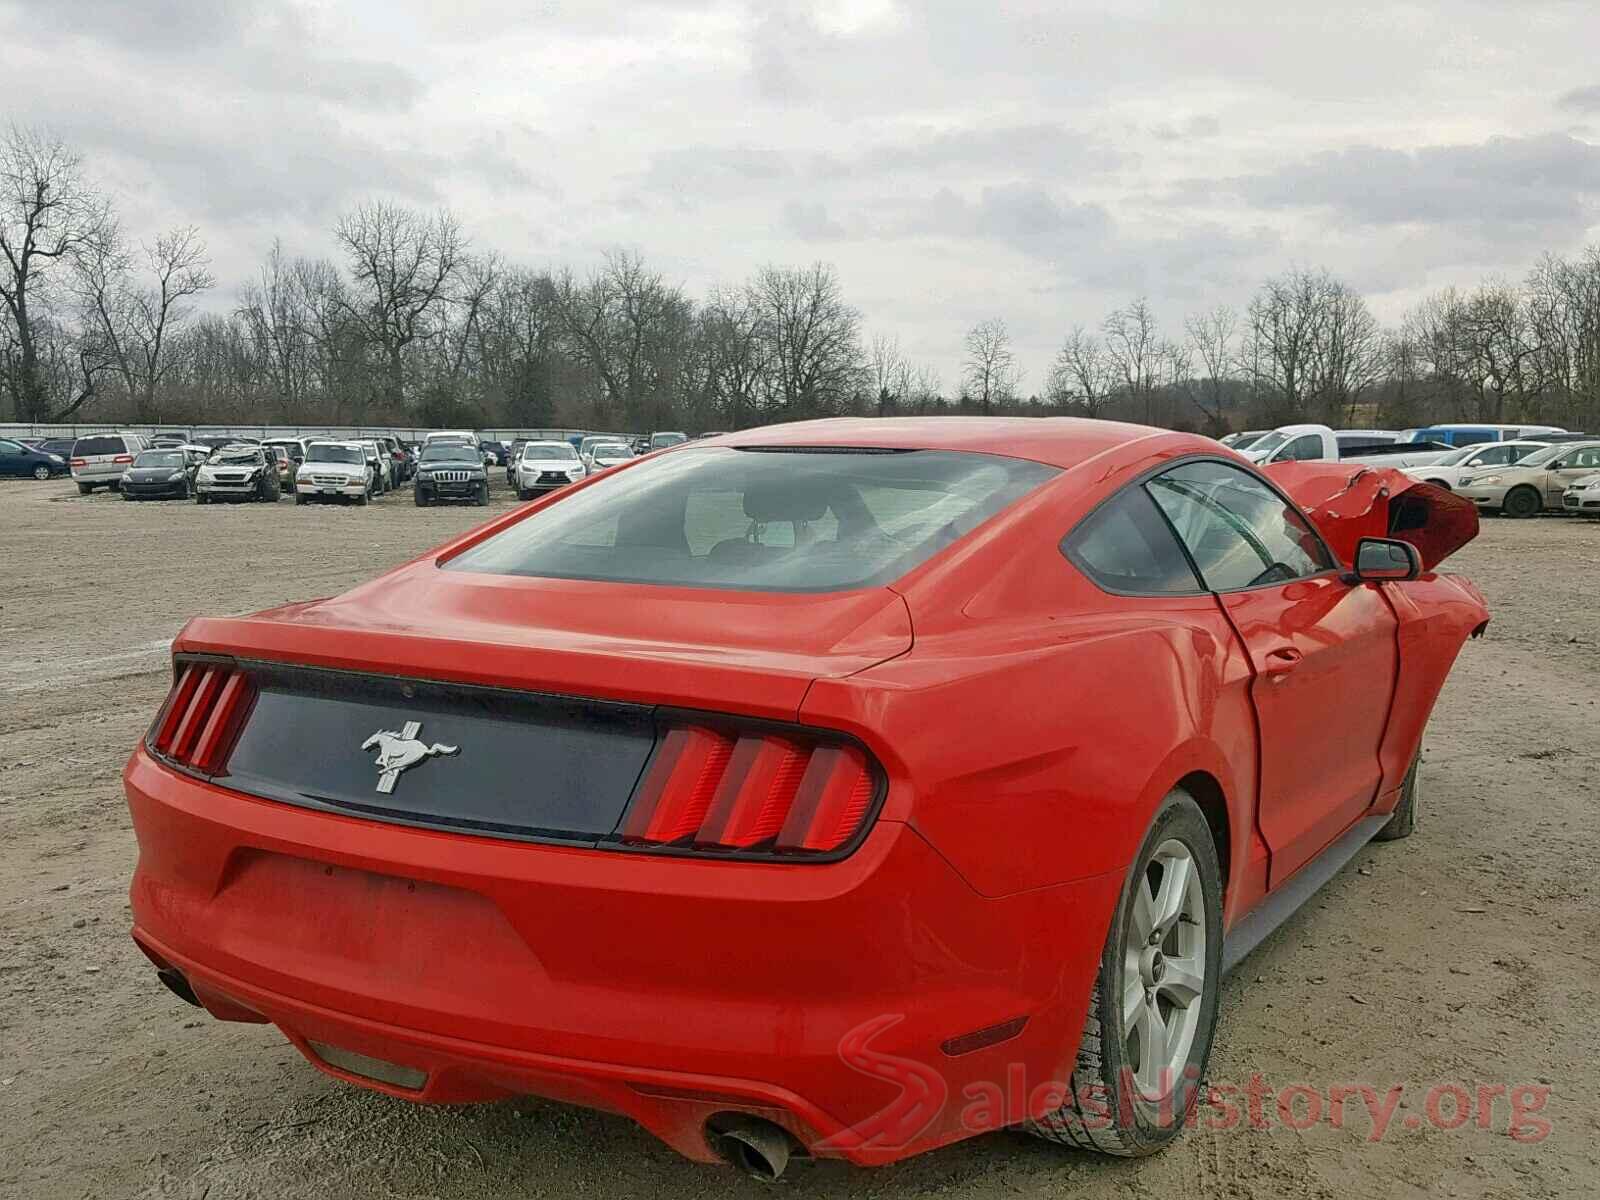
(99, 459)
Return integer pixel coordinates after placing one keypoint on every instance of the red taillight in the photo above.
(203, 715)
(78, 462)
(123, 458)
(711, 790)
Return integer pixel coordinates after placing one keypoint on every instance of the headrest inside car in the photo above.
(785, 500)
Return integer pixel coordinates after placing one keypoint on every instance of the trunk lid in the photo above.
(511, 706)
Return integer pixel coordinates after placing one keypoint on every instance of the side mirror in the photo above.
(1384, 559)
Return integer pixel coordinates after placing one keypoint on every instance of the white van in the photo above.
(99, 459)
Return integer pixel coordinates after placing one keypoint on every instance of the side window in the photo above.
(1589, 457)
(10, 450)
(1126, 546)
(1305, 448)
(1499, 456)
(1239, 532)
(1471, 437)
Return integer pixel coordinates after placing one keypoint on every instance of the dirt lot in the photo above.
(1469, 954)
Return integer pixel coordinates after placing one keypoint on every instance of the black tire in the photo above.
(524, 494)
(1438, 483)
(127, 496)
(85, 489)
(1522, 502)
(41, 472)
(1404, 821)
(199, 498)
(364, 500)
(422, 501)
(1129, 1125)
(483, 495)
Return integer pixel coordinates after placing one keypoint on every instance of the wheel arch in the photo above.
(1205, 790)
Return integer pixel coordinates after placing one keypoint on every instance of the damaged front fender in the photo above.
(1348, 502)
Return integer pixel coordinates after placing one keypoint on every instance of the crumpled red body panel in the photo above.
(1348, 502)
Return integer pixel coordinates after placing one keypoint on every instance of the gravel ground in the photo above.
(1466, 955)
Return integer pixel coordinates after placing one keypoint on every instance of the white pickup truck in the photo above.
(1318, 443)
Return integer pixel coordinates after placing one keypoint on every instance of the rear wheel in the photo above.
(41, 472)
(1522, 502)
(1153, 1009)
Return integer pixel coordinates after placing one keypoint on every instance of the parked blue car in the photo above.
(26, 462)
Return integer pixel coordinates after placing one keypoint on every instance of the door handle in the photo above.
(1281, 662)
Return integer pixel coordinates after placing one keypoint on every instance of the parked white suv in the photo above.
(100, 459)
(545, 466)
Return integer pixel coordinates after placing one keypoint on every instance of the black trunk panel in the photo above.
(530, 765)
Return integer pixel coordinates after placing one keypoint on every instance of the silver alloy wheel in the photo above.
(1163, 970)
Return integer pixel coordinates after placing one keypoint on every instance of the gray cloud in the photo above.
(1545, 183)
(1584, 99)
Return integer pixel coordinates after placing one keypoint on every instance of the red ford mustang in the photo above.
(843, 788)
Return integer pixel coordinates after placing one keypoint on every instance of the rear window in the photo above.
(89, 446)
(335, 454)
(802, 520)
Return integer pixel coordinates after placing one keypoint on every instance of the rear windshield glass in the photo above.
(449, 452)
(812, 520)
(89, 446)
(160, 458)
(610, 450)
(335, 454)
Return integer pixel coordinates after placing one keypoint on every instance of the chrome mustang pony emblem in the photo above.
(398, 751)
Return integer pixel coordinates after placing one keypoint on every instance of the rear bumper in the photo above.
(665, 989)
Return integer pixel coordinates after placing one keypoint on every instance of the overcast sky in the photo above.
(1040, 162)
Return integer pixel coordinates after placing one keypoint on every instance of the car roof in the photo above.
(1056, 441)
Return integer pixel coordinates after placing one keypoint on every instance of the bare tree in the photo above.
(137, 323)
(1084, 375)
(1211, 338)
(403, 263)
(48, 213)
(812, 341)
(630, 327)
(1133, 342)
(990, 371)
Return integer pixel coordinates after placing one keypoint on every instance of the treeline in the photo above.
(413, 325)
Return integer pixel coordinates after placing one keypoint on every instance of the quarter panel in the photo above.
(1034, 751)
